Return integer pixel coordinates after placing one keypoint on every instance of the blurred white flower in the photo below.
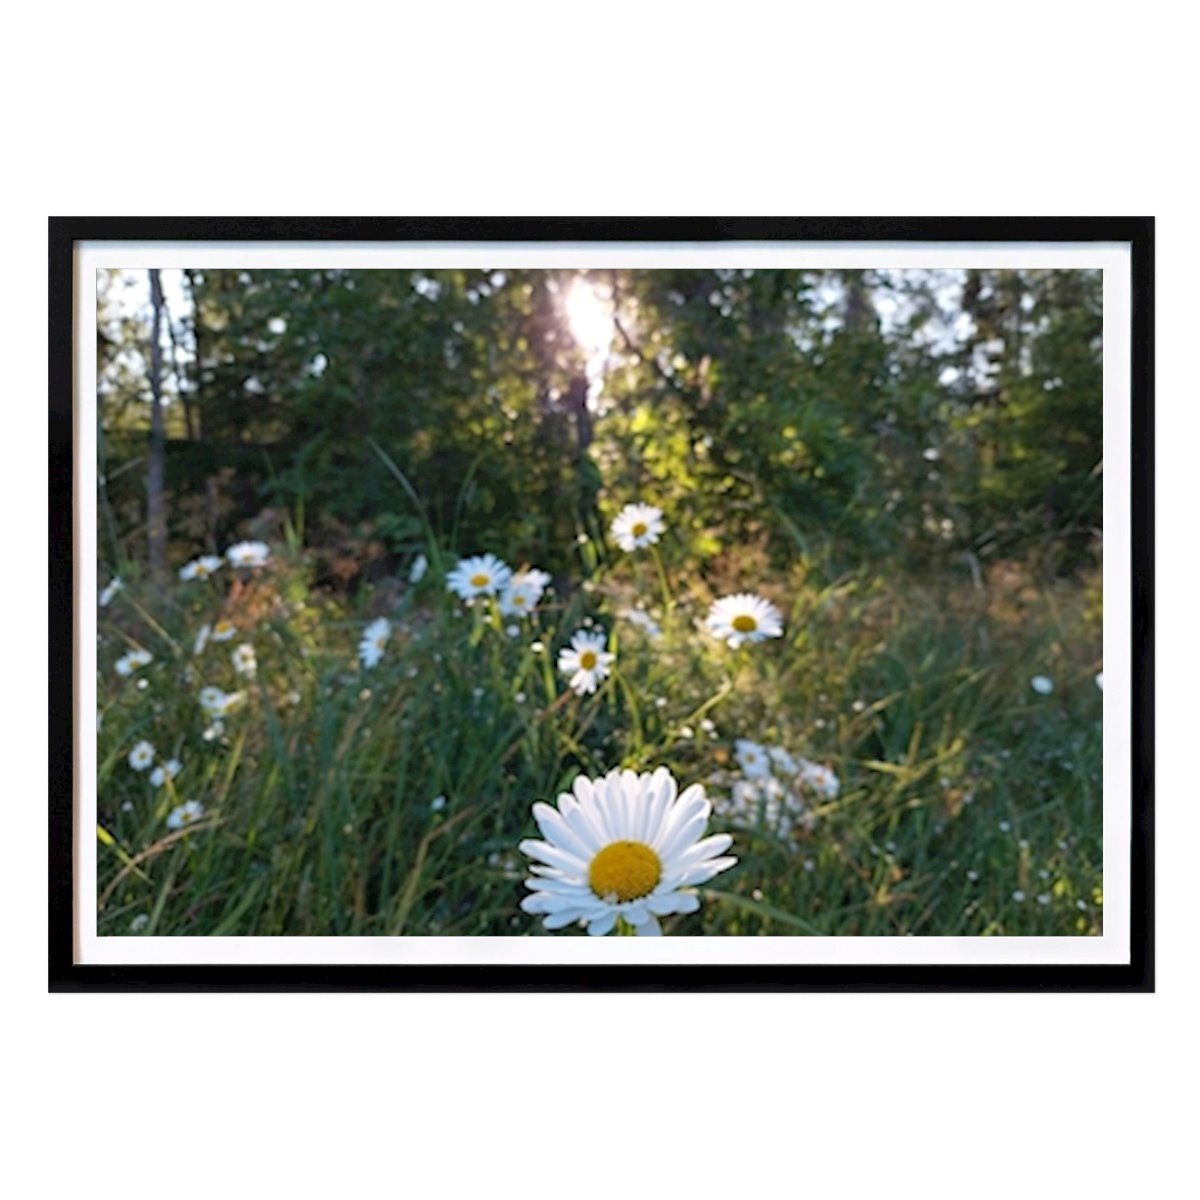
(223, 631)
(520, 597)
(185, 814)
(374, 639)
(141, 756)
(764, 802)
(1018, 896)
(438, 803)
(483, 575)
(586, 661)
(165, 771)
(202, 636)
(821, 779)
(643, 621)
(245, 662)
(1100, 680)
(139, 923)
(217, 703)
(1042, 685)
(637, 525)
(128, 663)
(200, 568)
(752, 758)
(744, 618)
(114, 586)
(417, 571)
(783, 762)
(248, 554)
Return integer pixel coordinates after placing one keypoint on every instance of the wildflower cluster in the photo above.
(775, 789)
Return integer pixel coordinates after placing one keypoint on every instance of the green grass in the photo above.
(960, 786)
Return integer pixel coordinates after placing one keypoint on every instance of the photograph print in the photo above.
(555, 602)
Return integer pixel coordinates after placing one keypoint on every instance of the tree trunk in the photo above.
(156, 512)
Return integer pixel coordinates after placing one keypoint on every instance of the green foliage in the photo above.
(914, 417)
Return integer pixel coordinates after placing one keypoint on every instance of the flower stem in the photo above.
(668, 599)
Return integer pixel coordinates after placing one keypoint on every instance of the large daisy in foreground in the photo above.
(625, 845)
(744, 618)
(637, 525)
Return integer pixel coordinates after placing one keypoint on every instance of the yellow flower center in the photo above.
(624, 870)
(519, 600)
(639, 528)
(202, 570)
(587, 660)
(222, 627)
(744, 623)
(480, 580)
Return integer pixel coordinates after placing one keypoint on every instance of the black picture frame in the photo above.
(66, 974)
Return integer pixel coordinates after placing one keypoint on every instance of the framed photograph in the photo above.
(565, 603)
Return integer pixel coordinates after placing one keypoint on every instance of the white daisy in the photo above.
(1042, 685)
(141, 756)
(535, 578)
(520, 597)
(223, 631)
(820, 778)
(114, 586)
(762, 802)
(128, 663)
(586, 661)
(744, 618)
(637, 525)
(483, 575)
(200, 568)
(165, 771)
(624, 845)
(185, 814)
(245, 662)
(217, 703)
(783, 762)
(374, 639)
(202, 636)
(752, 758)
(248, 554)
(417, 571)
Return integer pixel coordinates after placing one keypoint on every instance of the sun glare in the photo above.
(590, 318)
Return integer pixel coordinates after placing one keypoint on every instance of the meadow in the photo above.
(888, 743)
(332, 796)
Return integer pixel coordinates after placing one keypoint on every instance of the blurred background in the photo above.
(926, 421)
